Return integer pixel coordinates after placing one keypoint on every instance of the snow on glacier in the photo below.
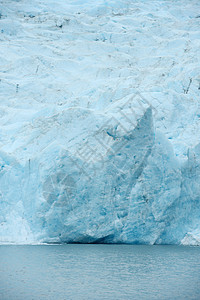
(100, 121)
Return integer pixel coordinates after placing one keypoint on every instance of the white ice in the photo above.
(100, 121)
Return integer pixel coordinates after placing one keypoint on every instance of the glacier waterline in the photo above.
(145, 189)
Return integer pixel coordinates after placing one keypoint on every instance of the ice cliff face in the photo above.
(100, 121)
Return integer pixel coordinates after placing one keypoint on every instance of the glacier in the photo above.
(100, 121)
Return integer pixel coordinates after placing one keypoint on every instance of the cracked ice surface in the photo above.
(100, 121)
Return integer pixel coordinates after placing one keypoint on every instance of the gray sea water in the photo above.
(99, 272)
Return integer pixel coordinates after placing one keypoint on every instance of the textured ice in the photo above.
(100, 121)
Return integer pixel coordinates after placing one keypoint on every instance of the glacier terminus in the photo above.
(100, 121)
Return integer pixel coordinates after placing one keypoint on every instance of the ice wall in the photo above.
(100, 122)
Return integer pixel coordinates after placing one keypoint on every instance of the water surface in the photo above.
(62, 272)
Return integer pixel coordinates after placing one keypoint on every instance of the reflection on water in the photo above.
(99, 272)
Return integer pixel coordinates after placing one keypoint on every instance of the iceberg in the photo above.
(100, 122)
